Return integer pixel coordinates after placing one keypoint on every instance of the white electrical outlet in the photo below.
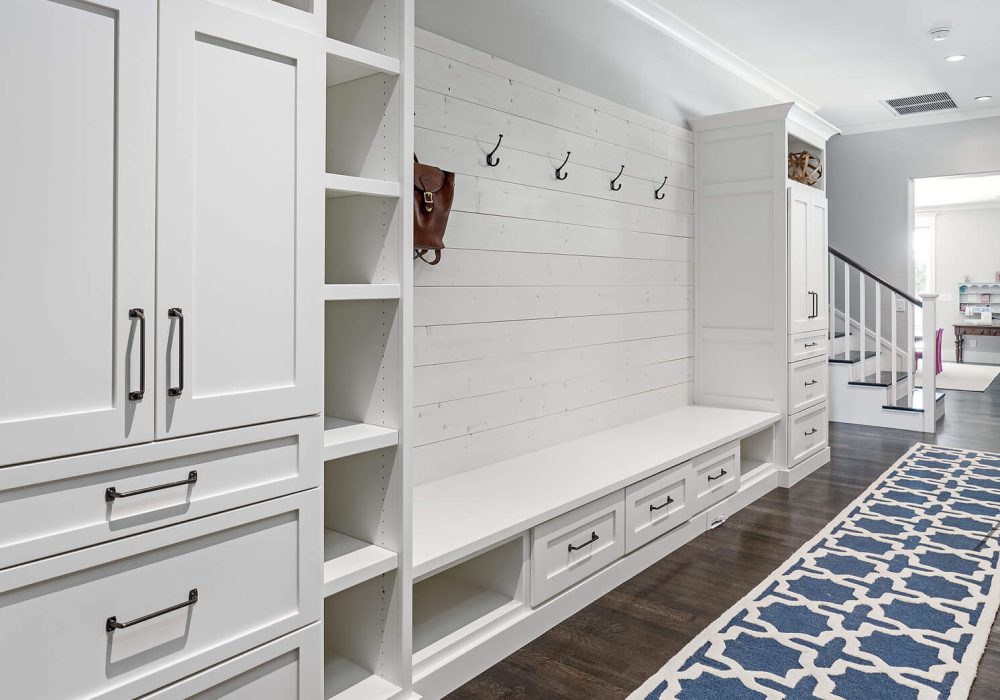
(972, 343)
(900, 308)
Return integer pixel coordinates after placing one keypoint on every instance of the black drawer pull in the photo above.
(811, 345)
(669, 501)
(718, 476)
(593, 538)
(814, 382)
(111, 493)
(112, 624)
(811, 432)
(179, 389)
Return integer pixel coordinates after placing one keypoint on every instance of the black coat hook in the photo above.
(560, 175)
(613, 182)
(657, 193)
(490, 160)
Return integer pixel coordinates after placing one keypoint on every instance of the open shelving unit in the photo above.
(367, 345)
(756, 456)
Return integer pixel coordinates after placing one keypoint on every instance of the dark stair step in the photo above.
(849, 358)
(913, 403)
(882, 379)
(838, 334)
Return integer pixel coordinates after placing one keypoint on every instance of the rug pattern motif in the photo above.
(894, 600)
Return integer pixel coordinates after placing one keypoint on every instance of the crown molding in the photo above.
(673, 26)
(920, 120)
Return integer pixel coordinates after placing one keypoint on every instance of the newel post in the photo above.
(930, 361)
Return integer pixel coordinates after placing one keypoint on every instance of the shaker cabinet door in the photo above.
(818, 264)
(240, 217)
(77, 197)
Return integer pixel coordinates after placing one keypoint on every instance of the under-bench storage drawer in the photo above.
(128, 617)
(657, 505)
(64, 504)
(807, 433)
(568, 549)
(716, 474)
(289, 668)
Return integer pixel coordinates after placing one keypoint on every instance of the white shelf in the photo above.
(345, 62)
(343, 438)
(754, 472)
(348, 186)
(348, 561)
(494, 503)
(360, 292)
(345, 680)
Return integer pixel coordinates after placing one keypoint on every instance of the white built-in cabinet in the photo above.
(77, 199)
(761, 288)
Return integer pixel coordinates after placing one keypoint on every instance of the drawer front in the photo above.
(802, 346)
(807, 433)
(190, 596)
(716, 474)
(568, 549)
(656, 505)
(808, 383)
(59, 505)
(290, 668)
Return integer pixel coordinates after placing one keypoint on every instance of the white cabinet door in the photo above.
(77, 197)
(800, 298)
(240, 220)
(818, 265)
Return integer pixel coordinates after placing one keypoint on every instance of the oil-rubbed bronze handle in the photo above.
(718, 476)
(812, 345)
(112, 624)
(660, 507)
(141, 315)
(811, 432)
(814, 382)
(111, 493)
(179, 389)
(593, 538)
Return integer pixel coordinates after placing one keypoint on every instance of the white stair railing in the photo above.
(930, 361)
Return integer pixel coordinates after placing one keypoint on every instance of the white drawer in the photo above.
(575, 545)
(808, 383)
(807, 433)
(802, 346)
(257, 576)
(63, 504)
(289, 668)
(716, 474)
(656, 505)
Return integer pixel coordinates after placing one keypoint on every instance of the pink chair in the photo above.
(939, 339)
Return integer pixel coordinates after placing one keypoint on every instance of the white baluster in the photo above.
(911, 357)
(894, 344)
(833, 300)
(930, 360)
(862, 312)
(847, 310)
(878, 330)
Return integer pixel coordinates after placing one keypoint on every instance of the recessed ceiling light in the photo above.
(956, 58)
(984, 98)
(940, 33)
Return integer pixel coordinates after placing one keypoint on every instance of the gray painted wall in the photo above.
(869, 181)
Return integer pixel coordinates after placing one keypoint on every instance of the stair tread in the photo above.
(851, 357)
(838, 334)
(913, 402)
(883, 379)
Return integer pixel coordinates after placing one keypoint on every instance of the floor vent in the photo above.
(934, 102)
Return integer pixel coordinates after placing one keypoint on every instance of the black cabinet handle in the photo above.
(815, 305)
(660, 507)
(718, 476)
(812, 345)
(112, 624)
(179, 389)
(811, 432)
(111, 493)
(814, 382)
(593, 538)
(141, 315)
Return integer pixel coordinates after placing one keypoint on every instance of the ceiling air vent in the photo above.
(934, 102)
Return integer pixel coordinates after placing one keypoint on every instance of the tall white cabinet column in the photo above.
(761, 306)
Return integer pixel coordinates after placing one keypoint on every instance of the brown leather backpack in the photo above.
(433, 194)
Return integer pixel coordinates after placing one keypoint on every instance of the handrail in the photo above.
(865, 271)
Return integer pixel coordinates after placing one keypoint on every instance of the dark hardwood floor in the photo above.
(613, 645)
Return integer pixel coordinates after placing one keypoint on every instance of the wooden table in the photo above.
(973, 328)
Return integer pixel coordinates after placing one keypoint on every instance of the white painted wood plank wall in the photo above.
(560, 308)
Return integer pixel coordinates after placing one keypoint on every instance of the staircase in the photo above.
(873, 352)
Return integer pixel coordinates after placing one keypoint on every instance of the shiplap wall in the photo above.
(560, 308)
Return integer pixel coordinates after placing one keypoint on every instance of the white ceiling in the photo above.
(931, 192)
(846, 55)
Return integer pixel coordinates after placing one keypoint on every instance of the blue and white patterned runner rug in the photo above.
(893, 600)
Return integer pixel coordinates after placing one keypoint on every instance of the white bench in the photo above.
(503, 552)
